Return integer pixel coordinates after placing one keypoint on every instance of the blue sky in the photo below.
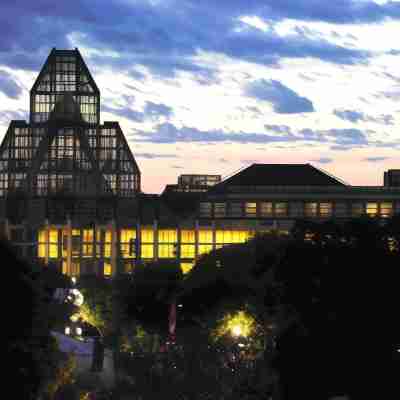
(211, 86)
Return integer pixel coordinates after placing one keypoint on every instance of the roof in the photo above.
(279, 175)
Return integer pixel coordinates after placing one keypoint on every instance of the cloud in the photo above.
(283, 99)
(168, 133)
(356, 116)
(151, 156)
(323, 160)
(9, 86)
(154, 111)
(375, 159)
(125, 112)
(7, 116)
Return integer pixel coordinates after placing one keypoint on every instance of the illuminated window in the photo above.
(186, 267)
(127, 236)
(188, 236)
(235, 210)
(87, 245)
(147, 251)
(64, 267)
(251, 210)
(204, 248)
(281, 209)
(87, 235)
(372, 209)
(341, 209)
(187, 251)
(107, 268)
(53, 243)
(386, 209)
(147, 235)
(357, 209)
(205, 210)
(240, 236)
(167, 236)
(266, 209)
(325, 209)
(205, 236)
(166, 251)
(310, 209)
(219, 210)
(107, 243)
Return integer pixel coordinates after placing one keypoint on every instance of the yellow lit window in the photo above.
(167, 236)
(87, 235)
(386, 209)
(205, 236)
(108, 237)
(42, 236)
(187, 251)
(87, 250)
(266, 209)
(76, 232)
(186, 267)
(147, 236)
(251, 209)
(53, 236)
(187, 236)
(107, 269)
(147, 251)
(281, 209)
(372, 209)
(107, 249)
(98, 235)
(218, 246)
(240, 236)
(126, 235)
(166, 251)
(325, 209)
(310, 209)
(53, 246)
(357, 209)
(42, 250)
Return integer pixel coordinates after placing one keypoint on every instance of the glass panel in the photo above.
(187, 236)
(281, 209)
(187, 251)
(166, 251)
(372, 209)
(205, 236)
(205, 210)
(42, 250)
(167, 236)
(325, 209)
(147, 236)
(251, 210)
(147, 251)
(266, 209)
(235, 210)
(219, 210)
(107, 268)
(357, 209)
(310, 209)
(341, 209)
(386, 209)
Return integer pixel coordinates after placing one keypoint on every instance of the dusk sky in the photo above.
(211, 86)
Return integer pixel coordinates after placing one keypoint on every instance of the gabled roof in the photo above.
(279, 175)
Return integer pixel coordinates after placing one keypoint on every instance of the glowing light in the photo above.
(67, 330)
(73, 280)
(78, 331)
(74, 317)
(236, 330)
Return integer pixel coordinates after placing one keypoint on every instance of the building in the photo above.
(70, 189)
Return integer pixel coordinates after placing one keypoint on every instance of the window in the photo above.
(127, 237)
(251, 210)
(204, 248)
(167, 236)
(266, 209)
(205, 236)
(372, 209)
(281, 209)
(166, 251)
(357, 209)
(187, 236)
(147, 235)
(186, 267)
(325, 209)
(310, 209)
(107, 268)
(87, 245)
(107, 244)
(147, 251)
(341, 209)
(187, 251)
(205, 210)
(386, 209)
(219, 210)
(235, 210)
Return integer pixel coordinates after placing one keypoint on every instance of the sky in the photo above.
(212, 86)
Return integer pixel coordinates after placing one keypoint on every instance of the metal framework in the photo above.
(64, 152)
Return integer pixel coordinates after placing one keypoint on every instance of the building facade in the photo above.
(70, 189)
